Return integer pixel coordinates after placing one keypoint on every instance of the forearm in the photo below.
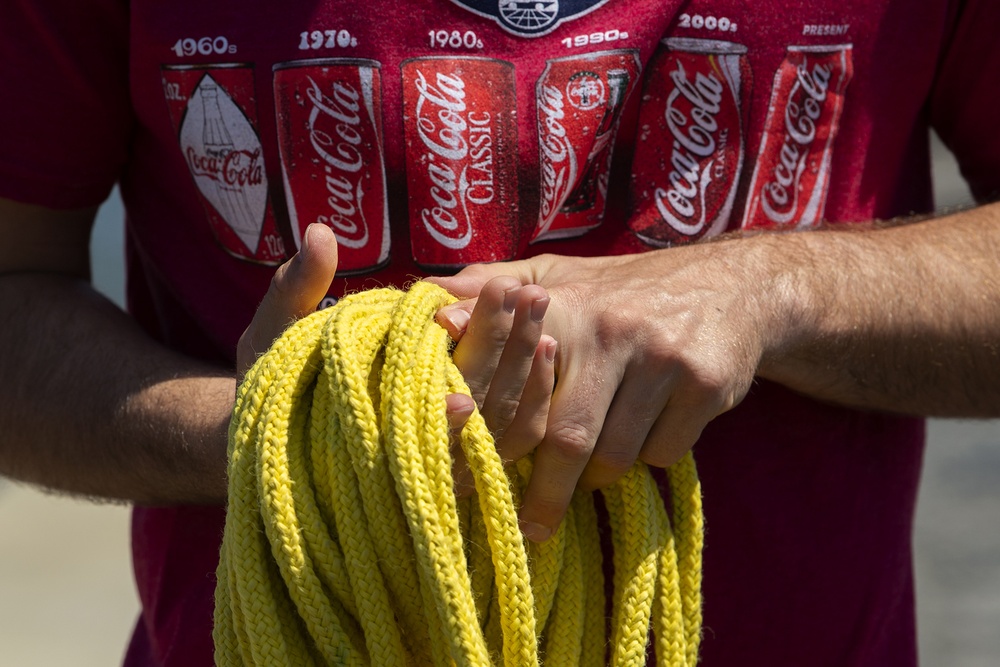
(90, 405)
(905, 318)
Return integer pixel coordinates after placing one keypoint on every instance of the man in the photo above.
(788, 357)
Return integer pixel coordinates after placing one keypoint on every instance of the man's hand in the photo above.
(651, 348)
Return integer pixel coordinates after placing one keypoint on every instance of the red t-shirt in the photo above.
(438, 133)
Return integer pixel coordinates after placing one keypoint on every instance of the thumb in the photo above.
(296, 289)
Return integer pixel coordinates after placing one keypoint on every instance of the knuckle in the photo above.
(279, 281)
(549, 507)
(612, 462)
(662, 353)
(499, 413)
(494, 336)
(521, 437)
(710, 388)
(612, 326)
(571, 443)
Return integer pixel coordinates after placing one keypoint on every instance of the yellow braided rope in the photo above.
(345, 544)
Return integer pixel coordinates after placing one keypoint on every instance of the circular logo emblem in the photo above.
(529, 14)
(585, 90)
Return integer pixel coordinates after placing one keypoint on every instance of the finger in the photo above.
(680, 425)
(579, 406)
(502, 400)
(297, 287)
(478, 352)
(638, 403)
(526, 430)
(455, 317)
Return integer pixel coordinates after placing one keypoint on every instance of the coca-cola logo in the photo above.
(780, 195)
(558, 160)
(459, 160)
(336, 136)
(698, 149)
(237, 168)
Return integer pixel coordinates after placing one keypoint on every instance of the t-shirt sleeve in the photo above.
(965, 100)
(65, 115)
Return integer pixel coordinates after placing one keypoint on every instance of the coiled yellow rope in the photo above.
(344, 543)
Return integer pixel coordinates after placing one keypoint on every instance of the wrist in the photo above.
(787, 293)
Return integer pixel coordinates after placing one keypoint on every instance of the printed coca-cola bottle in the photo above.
(213, 108)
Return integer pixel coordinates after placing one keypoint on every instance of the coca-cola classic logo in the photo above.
(460, 160)
(558, 158)
(697, 137)
(334, 133)
(780, 196)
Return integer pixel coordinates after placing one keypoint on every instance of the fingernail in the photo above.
(458, 318)
(510, 299)
(305, 238)
(550, 352)
(535, 532)
(538, 308)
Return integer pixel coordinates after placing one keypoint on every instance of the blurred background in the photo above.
(67, 596)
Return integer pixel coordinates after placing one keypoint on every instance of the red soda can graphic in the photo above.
(579, 102)
(213, 109)
(461, 151)
(792, 174)
(689, 154)
(329, 117)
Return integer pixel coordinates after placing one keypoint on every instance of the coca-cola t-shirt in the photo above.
(434, 134)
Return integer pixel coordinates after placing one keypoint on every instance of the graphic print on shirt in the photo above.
(329, 119)
(690, 149)
(792, 172)
(530, 18)
(213, 111)
(579, 101)
(459, 122)
(690, 176)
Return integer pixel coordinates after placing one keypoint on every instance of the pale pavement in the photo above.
(67, 597)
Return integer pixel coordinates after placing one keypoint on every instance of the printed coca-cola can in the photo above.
(214, 111)
(792, 173)
(579, 102)
(689, 153)
(461, 171)
(329, 118)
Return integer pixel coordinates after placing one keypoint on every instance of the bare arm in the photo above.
(654, 346)
(88, 403)
(905, 318)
